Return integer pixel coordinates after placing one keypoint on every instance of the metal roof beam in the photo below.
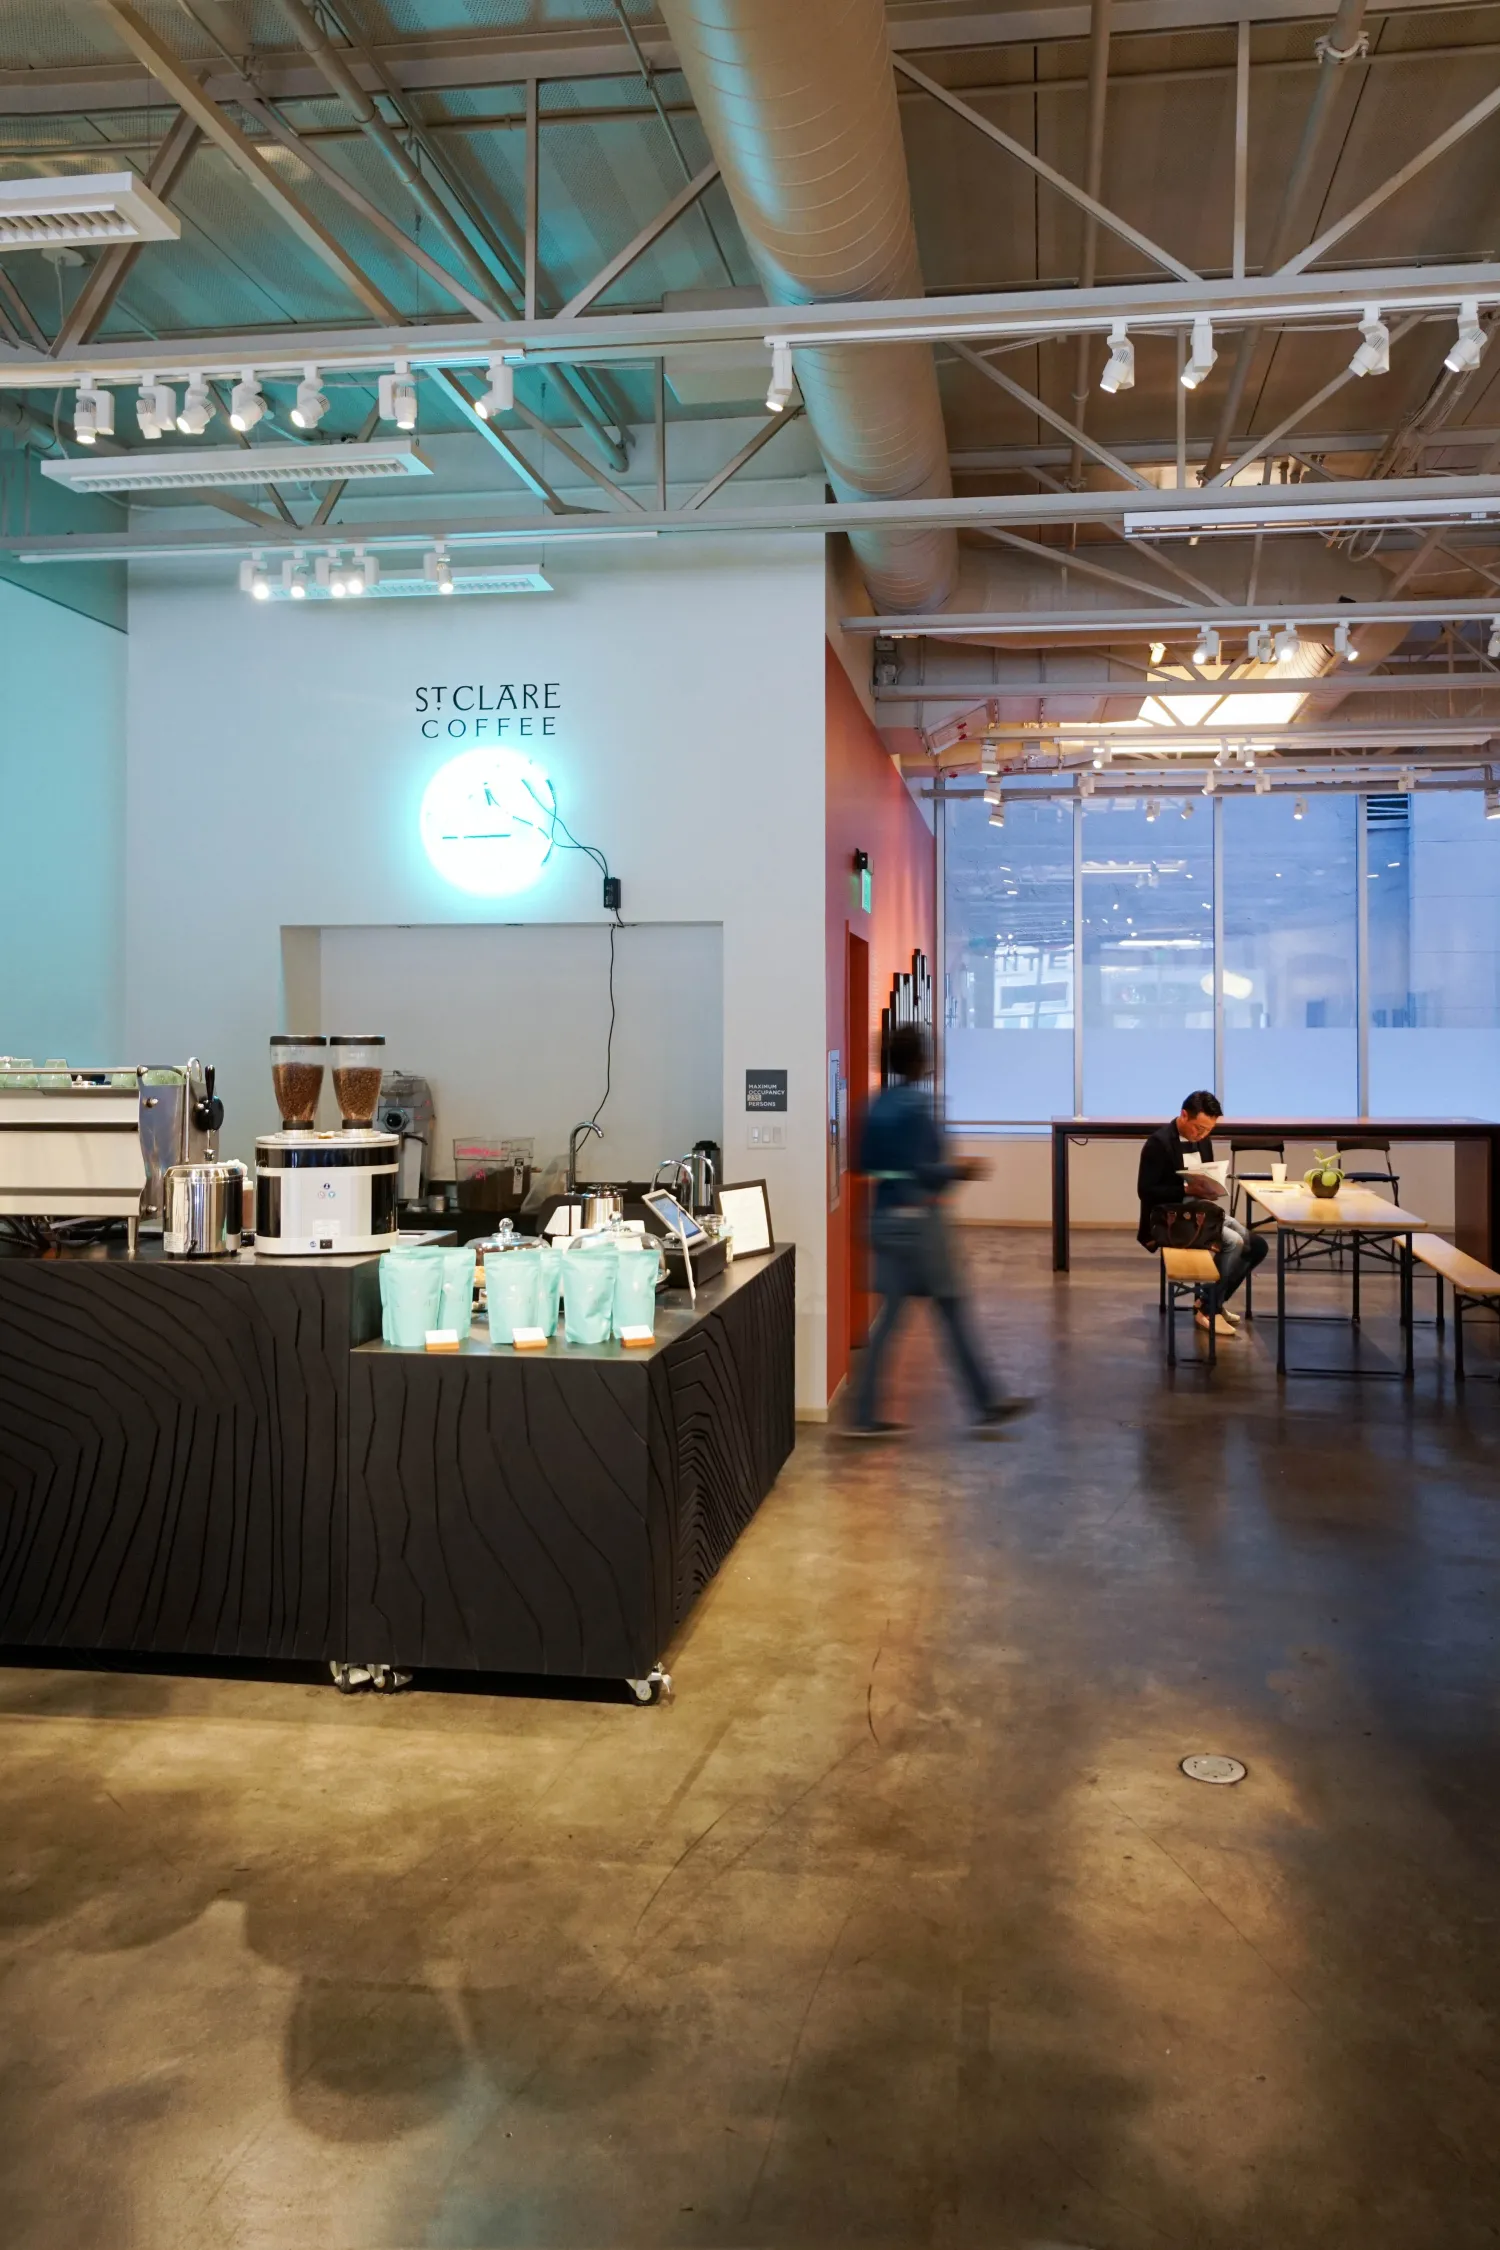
(651, 232)
(619, 337)
(1044, 171)
(103, 284)
(177, 80)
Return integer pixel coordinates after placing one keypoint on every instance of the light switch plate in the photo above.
(764, 1133)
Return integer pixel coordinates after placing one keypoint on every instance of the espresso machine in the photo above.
(99, 1143)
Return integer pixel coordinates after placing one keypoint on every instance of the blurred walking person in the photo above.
(903, 1150)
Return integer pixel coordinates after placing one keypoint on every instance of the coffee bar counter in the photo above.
(219, 1458)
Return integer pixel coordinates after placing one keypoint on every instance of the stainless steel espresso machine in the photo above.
(99, 1144)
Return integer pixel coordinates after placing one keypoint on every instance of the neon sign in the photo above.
(488, 822)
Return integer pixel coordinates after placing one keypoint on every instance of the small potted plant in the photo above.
(1326, 1176)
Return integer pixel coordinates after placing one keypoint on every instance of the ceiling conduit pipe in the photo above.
(1094, 182)
(1344, 43)
(362, 109)
(798, 100)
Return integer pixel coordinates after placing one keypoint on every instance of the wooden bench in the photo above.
(1182, 1272)
(1474, 1285)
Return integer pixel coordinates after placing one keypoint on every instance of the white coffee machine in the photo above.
(321, 1194)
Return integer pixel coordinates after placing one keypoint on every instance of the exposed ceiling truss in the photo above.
(372, 168)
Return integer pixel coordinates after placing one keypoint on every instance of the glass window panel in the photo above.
(1009, 940)
(1434, 896)
(1148, 1010)
(1290, 1031)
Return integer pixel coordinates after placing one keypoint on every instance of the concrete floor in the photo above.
(900, 1927)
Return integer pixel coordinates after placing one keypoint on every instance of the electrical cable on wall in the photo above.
(570, 843)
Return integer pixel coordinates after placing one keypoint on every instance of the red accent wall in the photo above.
(870, 810)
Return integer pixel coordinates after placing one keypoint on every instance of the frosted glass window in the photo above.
(1148, 938)
(1434, 1001)
(1291, 1039)
(1009, 984)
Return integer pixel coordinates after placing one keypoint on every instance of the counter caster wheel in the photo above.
(655, 1688)
(386, 1680)
(350, 1679)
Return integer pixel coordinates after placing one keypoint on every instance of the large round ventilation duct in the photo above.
(799, 103)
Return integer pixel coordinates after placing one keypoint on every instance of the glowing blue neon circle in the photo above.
(487, 822)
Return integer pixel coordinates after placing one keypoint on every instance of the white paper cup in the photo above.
(1278, 1175)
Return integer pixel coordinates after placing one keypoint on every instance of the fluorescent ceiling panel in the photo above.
(509, 578)
(98, 207)
(235, 465)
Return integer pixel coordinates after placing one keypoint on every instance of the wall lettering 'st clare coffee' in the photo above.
(486, 711)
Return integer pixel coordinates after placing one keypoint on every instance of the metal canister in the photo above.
(203, 1209)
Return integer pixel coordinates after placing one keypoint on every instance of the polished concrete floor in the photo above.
(899, 1927)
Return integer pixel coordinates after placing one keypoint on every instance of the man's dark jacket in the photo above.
(1158, 1180)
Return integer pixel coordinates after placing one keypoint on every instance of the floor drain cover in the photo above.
(1213, 1769)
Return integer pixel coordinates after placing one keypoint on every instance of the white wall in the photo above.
(277, 765)
(509, 1025)
(62, 795)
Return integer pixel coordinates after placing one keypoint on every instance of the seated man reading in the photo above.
(1165, 1177)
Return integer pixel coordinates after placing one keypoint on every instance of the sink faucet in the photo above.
(579, 1133)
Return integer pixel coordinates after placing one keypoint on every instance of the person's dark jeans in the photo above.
(911, 1260)
(1241, 1254)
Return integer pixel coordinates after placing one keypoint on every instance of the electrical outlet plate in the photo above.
(766, 1133)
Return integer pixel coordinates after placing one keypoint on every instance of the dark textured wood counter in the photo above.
(172, 1451)
(213, 1459)
(562, 1513)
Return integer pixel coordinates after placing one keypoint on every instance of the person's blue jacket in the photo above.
(902, 1147)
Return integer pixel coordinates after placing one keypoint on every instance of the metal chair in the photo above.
(1373, 1144)
(1239, 1147)
(1367, 1144)
(1244, 1145)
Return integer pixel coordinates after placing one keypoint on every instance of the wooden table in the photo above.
(1355, 1214)
(1476, 1161)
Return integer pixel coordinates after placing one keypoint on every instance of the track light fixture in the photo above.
(1406, 781)
(311, 403)
(1343, 644)
(500, 396)
(1287, 645)
(1119, 368)
(1153, 807)
(1085, 785)
(1210, 782)
(1158, 652)
(1374, 354)
(1259, 648)
(997, 810)
(1187, 808)
(294, 576)
(783, 384)
(437, 569)
(330, 573)
(253, 579)
(155, 408)
(1467, 349)
(397, 397)
(247, 402)
(1201, 354)
(1207, 648)
(93, 414)
(1299, 809)
(1263, 785)
(1492, 804)
(1494, 647)
(197, 408)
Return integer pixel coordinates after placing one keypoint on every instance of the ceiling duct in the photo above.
(798, 100)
